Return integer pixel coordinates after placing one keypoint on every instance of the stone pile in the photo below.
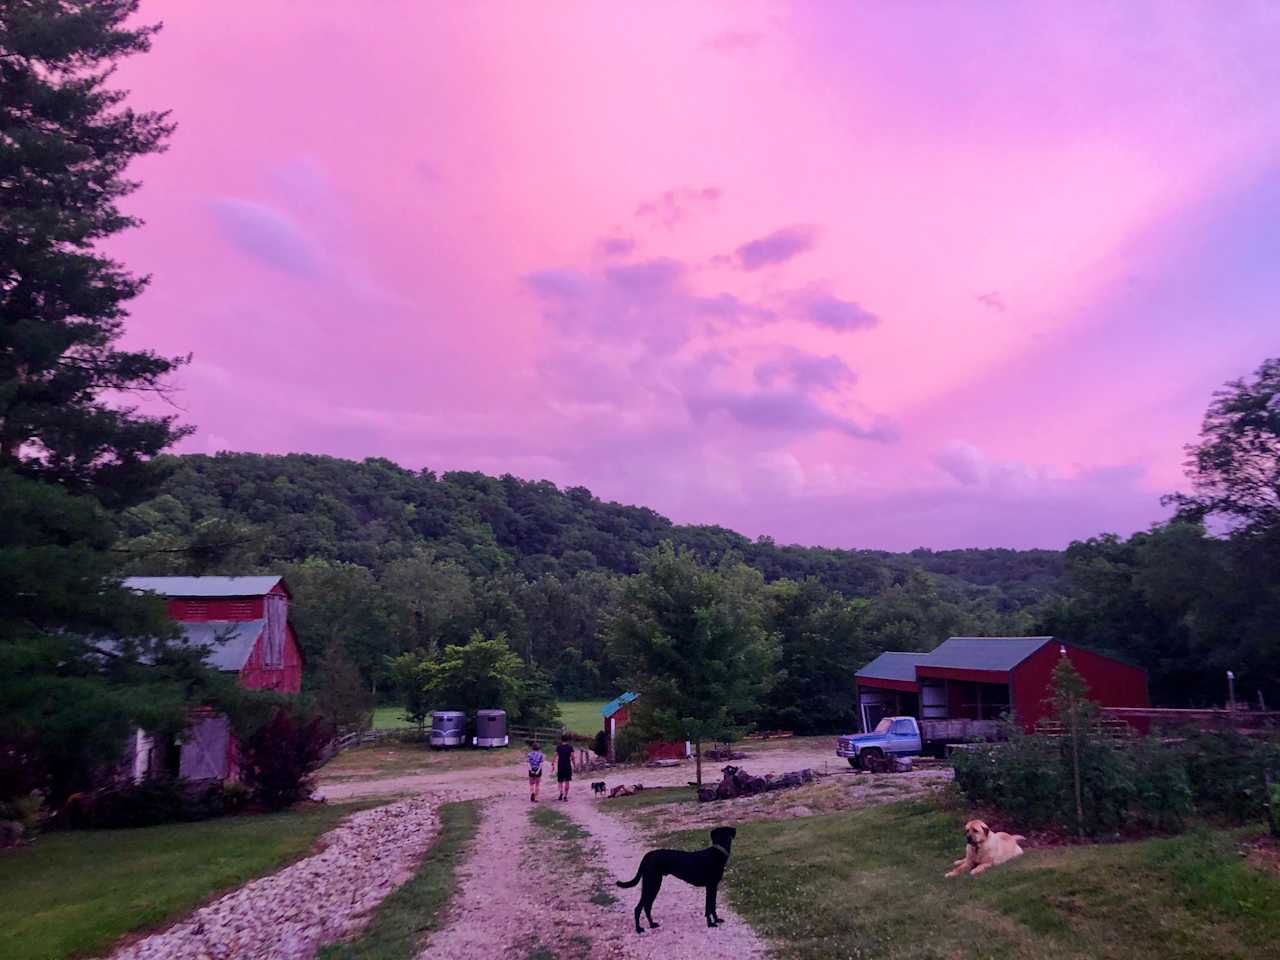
(291, 914)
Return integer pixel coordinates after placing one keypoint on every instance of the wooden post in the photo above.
(697, 754)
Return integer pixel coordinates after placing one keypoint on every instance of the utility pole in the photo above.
(1231, 690)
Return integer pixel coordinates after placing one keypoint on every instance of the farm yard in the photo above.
(850, 865)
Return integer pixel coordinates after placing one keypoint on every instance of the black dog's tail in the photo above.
(632, 882)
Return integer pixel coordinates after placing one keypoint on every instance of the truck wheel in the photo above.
(870, 757)
(853, 762)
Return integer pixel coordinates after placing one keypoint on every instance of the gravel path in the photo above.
(290, 914)
(683, 933)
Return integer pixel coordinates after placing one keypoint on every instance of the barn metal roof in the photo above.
(204, 586)
(613, 706)
(983, 653)
(230, 642)
(893, 665)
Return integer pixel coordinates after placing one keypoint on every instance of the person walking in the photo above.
(564, 766)
(535, 770)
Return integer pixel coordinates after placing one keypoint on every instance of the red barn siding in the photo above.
(287, 678)
(1111, 683)
(906, 686)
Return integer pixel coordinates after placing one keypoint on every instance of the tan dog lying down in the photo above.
(985, 849)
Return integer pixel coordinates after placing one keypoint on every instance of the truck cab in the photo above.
(892, 737)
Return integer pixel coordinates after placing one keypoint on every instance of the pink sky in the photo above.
(878, 275)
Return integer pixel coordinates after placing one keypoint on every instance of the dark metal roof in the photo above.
(230, 642)
(983, 653)
(893, 665)
(204, 586)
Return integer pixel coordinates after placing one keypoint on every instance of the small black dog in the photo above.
(598, 787)
(701, 869)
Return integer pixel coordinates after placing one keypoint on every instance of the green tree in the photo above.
(481, 674)
(822, 641)
(1235, 466)
(70, 454)
(335, 602)
(341, 695)
(691, 642)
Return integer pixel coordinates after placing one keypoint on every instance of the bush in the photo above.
(600, 745)
(628, 744)
(1124, 785)
(279, 759)
(235, 797)
(148, 803)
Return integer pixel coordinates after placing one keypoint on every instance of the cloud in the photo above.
(267, 236)
(674, 206)
(647, 280)
(616, 246)
(830, 311)
(783, 411)
(805, 371)
(778, 247)
(992, 299)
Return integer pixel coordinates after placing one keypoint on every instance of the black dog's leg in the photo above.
(648, 894)
(712, 919)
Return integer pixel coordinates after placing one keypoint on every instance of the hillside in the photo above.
(374, 512)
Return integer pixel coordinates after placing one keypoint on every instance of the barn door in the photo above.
(277, 625)
(204, 752)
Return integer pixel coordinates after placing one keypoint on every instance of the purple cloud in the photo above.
(557, 283)
(267, 236)
(805, 371)
(992, 299)
(675, 206)
(647, 280)
(831, 312)
(783, 411)
(616, 246)
(778, 247)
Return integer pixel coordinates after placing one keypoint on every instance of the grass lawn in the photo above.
(387, 718)
(380, 761)
(652, 797)
(868, 883)
(74, 893)
(582, 716)
(404, 919)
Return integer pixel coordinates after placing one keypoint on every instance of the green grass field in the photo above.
(387, 718)
(582, 716)
(403, 921)
(869, 883)
(74, 893)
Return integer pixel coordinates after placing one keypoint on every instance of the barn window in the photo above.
(197, 610)
(240, 610)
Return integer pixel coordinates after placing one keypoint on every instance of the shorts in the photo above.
(535, 776)
(564, 775)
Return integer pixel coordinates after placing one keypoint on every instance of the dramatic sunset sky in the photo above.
(886, 275)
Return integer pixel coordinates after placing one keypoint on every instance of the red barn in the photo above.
(981, 678)
(243, 622)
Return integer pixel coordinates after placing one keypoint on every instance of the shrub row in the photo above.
(151, 802)
(1144, 784)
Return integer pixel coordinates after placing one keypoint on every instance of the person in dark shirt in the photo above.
(564, 766)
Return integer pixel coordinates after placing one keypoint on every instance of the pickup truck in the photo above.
(904, 737)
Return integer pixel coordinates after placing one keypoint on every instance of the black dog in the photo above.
(701, 869)
(598, 787)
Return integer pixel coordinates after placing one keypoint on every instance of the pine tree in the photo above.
(70, 688)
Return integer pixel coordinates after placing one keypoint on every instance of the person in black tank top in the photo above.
(564, 766)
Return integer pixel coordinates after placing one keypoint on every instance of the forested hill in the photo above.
(286, 509)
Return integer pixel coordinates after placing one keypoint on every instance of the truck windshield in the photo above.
(882, 726)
